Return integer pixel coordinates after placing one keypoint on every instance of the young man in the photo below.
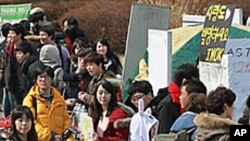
(3, 57)
(47, 34)
(94, 63)
(28, 63)
(193, 100)
(188, 87)
(168, 107)
(141, 90)
(50, 110)
(77, 80)
(215, 125)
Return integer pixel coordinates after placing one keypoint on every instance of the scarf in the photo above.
(175, 94)
(10, 49)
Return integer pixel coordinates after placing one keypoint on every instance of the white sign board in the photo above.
(233, 72)
(159, 58)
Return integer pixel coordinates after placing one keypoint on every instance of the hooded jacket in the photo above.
(50, 56)
(48, 117)
(211, 127)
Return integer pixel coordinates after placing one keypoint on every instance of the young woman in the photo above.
(111, 61)
(22, 124)
(107, 112)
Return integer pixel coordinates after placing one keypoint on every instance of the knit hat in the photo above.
(36, 10)
(49, 55)
(24, 47)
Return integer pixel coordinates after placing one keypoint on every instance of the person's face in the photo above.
(103, 96)
(101, 49)
(45, 38)
(94, 69)
(42, 22)
(23, 124)
(44, 81)
(65, 25)
(20, 56)
(77, 49)
(184, 97)
(13, 37)
(145, 97)
(81, 63)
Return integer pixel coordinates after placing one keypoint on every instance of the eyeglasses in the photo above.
(135, 98)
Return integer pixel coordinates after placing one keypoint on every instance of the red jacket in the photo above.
(113, 134)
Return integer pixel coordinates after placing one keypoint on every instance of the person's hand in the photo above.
(81, 95)
(78, 70)
(70, 101)
(95, 137)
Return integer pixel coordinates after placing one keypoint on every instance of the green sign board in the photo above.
(14, 13)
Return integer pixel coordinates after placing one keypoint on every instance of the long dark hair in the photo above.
(113, 101)
(110, 54)
(18, 112)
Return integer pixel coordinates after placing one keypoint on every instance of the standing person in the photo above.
(107, 113)
(111, 61)
(72, 30)
(12, 78)
(22, 124)
(3, 58)
(37, 18)
(29, 63)
(50, 110)
(168, 99)
(215, 125)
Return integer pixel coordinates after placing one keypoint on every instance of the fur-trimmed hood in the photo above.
(211, 126)
(125, 122)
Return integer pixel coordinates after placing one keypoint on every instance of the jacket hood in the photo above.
(49, 55)
(211, 126)
(128, 110)
(212, 121)
(125, 122)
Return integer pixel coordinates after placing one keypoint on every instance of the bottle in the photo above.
(86, 126)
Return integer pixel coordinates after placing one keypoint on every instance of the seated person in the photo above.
(192, 104)
(107, 113)
(50, 110)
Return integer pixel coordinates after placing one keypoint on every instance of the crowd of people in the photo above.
(47, 73)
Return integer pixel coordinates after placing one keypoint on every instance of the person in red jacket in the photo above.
(107, 113)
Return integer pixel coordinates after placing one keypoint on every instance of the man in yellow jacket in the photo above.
(50, 111)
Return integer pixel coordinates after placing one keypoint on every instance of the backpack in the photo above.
(183, 135)
(58, 77)
(60, 43)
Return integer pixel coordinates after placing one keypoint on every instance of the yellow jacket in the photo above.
(49, 117)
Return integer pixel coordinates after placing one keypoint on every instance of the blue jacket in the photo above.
(184, 122)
